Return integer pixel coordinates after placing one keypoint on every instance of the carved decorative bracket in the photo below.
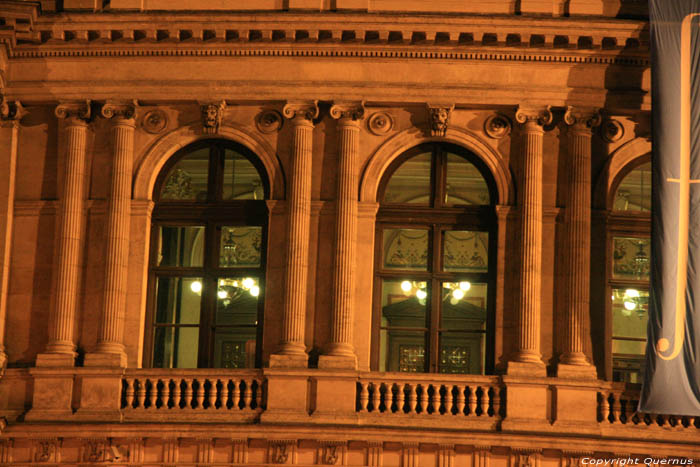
(212, 116)
(348, 110)
(497, 126)
(306, 110)
(120, 110)
(540, 116)
(590, 118)
(439, 118)
(281, 451)
(74, 110)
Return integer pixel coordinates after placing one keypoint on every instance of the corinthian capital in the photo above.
(307, 110)
(577, 116)
(540, 116)
(120, 110)
(11, 111)
(74, 110)
(348, 110)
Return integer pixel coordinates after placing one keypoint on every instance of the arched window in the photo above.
(207, 263)
(628, 277)
(434, 266)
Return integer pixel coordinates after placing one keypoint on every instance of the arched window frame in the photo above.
(212, 213)
(437, 218)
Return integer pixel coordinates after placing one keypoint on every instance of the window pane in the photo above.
(241, 178)
(406, 249)
(404, 303)
(463, 306)
(187, 180)
(465, 184)
(461, 352)
(410, 183)
(630, 317)
(402, 351)
(234, 347)
(634, 193)
(631, 258)
(181, 246)
(178, 300)
(465, 251)
(240, 247)
(175, 347)
(237, 301)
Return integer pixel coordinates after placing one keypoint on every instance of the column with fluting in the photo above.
(292, 350)
(528, 353)
(341, 350)
(60, 350)
(578, 241)
(110, 347)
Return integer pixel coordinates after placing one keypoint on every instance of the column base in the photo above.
(280, 360)
(104, 359)
(585, 371)
(56, 359)
(337, 362)
(515, 368)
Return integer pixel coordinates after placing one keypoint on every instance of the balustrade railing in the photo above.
(468, 396)
(193, 391)
(617, 405)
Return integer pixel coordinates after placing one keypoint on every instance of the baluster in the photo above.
(412, 397)
(258, 394)
(604, 407)
(691, 422)
(200, 394)
(153, 394)
(472, 400)
(188, 393)
(166, 394)
(629, 411)
(211, 403)
(400, 397)
(460, 403)
(129, 393)
(496, 400)
(364, 397)
(247, 395)
(235, 398)
(140, 393)
(225, 393)
(177, 390)
(424, 398)
(483, 408)
(448, 399)
(376, 394)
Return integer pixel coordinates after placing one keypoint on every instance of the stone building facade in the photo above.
(345, 232)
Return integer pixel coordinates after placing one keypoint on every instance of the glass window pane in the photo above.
(410, 183)
(464, 306)
(178, 300)
(629, 308)
(402, 350)
(234, 347)
(631, 258)
(465, 251)
(240, 247)
(634, 192)
(406, 249)
(187, 180)
(241, 178)
(404, 303)
(181, 246)
(175, 347)
(237, 301)
(465, 184)
(461, 353)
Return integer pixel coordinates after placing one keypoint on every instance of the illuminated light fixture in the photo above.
(465, 285)
(222, 294)
(421, 294)
(406, 286)
(458, 293)
(255, 291)
(196, 287)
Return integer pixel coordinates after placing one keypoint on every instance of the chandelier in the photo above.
(231, 289)
(632, 301)
(455, 291)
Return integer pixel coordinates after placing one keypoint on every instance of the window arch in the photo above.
(629, 249)
(434, 263)
(207, 262)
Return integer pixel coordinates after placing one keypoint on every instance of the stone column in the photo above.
(341, 351)
(110, 347)
(60, 350)
(528, 357)
(10, 115)
(573, 359)
(292, 351)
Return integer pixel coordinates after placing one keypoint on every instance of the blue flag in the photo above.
(672, 380)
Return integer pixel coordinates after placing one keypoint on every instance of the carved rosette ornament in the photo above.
(586, 118)
(268, 121)
(74, 110)
(497, 126)
(212, 116)
(154, 121)
(11, 111)
(380, 123)
(439, 118)
(612, 130)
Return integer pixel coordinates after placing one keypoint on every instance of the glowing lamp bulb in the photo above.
(465, 285)
(248, 283)
(458, 294)
(406, 286)
(634, 293)
(255, 291)
(421, 294)
(222, 294)
(630, 305)
(196, 286)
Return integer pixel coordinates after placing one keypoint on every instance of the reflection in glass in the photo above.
(631, 258)
(464, 183)
(236, 322)
(406, 249)
(403, 325)
(630, 316)
(634, 192)
(410, 183)
(462, 353)
(180, 246)
(178, 300)
(465, 251)
(234, 347)
(187, 180)
(175, 347)
(241, 178)
(462, 327)
(240, 247)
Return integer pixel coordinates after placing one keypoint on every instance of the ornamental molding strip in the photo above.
(439, 117)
